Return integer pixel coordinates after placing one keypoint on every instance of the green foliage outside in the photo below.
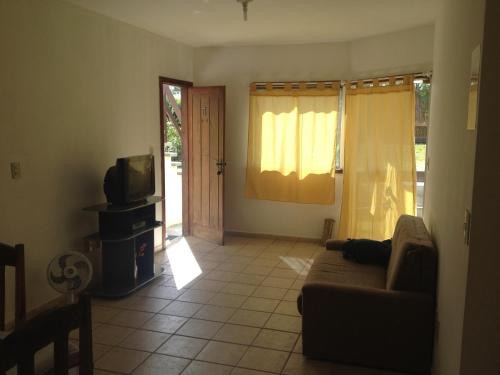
(172, 137)
(420, 150)
(423, 97)
(423, 90)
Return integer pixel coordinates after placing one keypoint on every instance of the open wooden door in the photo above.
(206, 162)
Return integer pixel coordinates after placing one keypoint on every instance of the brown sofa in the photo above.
(369, 315)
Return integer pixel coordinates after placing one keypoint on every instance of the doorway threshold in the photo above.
(171, 240)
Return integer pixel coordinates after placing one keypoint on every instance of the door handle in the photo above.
(220, 167)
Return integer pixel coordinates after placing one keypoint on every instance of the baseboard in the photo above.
(271, 236)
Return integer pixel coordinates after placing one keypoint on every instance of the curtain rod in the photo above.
(295, 85)
(331, 81)
(426, 76)
(295, 88)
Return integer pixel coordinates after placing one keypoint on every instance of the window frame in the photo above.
(339, 139)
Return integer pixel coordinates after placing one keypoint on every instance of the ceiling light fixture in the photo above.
(244, 3)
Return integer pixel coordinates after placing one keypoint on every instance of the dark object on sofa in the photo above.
(363, 250)
(371, 315)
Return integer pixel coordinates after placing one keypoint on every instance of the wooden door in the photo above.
(206, 162)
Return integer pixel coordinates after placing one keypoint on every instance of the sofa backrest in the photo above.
(413, 263)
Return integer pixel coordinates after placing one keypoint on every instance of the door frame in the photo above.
(185, 165)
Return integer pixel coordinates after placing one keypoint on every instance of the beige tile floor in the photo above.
(238, 316)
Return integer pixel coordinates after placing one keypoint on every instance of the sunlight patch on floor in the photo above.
(184, 266)
(299, 265)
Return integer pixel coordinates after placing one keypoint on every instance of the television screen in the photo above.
(139, 179)
(130, 180)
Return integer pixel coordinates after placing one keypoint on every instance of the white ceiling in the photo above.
(220, 22)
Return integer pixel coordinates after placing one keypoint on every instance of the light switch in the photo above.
(15, 170)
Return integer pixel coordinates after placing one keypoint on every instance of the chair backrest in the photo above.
(51, 326)
(413, 263)
(13, 257)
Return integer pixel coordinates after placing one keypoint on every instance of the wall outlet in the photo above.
(15, 170)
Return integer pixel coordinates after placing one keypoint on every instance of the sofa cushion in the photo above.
(413, 263)
(330, 268)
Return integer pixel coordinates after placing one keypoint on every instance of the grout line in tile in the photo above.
(140, 364)
(238, 252)
(289, 355)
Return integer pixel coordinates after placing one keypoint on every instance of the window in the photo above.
(339, 133)
(291, 142)
(422, 104)
(422, 109)
(272, 153)
(379, 176)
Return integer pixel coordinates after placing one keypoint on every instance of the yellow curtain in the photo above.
(379, 160)
(291, 147)
(472, 114)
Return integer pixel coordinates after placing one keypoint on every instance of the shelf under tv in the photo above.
(101, 292)
(126, 234)
(108, 207)
(114, 237)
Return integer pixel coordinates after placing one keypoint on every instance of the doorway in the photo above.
(192, 160)
(174, 179)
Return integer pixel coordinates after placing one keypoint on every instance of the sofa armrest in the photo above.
(375, 327)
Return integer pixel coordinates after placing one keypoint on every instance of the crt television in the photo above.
(130, 180)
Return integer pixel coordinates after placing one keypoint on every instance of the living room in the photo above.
(80, 89)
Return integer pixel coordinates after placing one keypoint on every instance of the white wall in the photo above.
(77, 90)
(481, 330)
(451, 163)
(407, 51)
(237, 67)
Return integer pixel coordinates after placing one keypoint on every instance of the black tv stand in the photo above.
(127, 237)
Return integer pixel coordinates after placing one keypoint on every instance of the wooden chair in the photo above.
(13, 257)
(52, 326)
